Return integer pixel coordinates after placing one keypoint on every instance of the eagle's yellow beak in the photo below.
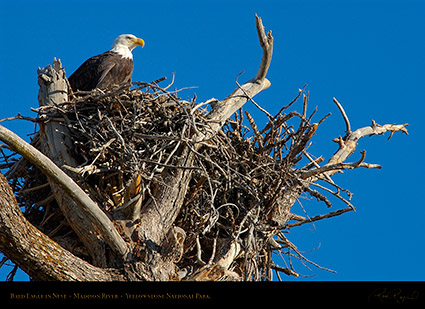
(139, 42)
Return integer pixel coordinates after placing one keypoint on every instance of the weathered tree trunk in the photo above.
(35, 253)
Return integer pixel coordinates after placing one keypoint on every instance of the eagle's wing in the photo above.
(104, 73)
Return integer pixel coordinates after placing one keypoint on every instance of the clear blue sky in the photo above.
(370, 55)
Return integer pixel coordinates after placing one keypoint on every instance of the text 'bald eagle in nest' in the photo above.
(113, 67)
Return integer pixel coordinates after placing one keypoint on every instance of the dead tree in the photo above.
(133, 183)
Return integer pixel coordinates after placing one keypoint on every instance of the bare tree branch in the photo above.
(281, 214)
(348, 145)
(266, 42)
(339, 166)
(222, 110)
(344, 115)
(320, 217)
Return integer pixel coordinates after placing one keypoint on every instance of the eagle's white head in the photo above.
(125, 43)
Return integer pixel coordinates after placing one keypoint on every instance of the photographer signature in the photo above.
(393, 295)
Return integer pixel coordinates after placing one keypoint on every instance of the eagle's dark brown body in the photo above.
(102, 71)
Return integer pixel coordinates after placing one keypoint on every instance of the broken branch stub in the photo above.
(53, 93)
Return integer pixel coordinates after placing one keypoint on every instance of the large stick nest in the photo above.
(125, 138)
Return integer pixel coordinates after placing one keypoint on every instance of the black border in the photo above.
(284, 293)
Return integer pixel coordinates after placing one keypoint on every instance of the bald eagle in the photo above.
(113, 67)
